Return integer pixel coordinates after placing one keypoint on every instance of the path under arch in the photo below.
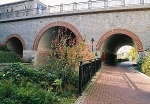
(117, 85)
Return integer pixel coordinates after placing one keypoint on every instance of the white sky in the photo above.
(125, 48)
(58, 2)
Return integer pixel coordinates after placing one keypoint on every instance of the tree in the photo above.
(133, 54)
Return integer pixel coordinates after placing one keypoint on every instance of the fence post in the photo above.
(105, 3)
(89, 4)
(100, 63)
(86, 71)
(80, 77)
(74, 6)
(141, 1)
(61, 7)
(90, 69)
(123, 2)
(49, 9)
(96, 65)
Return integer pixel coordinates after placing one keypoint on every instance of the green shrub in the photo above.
(9, 57)
(146, 65)
(7, 89)
(18, 70)
(3, 48)
(20, 84)
(29, 94)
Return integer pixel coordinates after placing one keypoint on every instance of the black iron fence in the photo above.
(86, 70)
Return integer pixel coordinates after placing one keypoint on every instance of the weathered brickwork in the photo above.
(86, 25)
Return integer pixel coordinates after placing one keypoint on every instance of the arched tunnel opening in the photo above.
(15, 45)
(112, 44)
(54, 43)
(56, 35)
(127, 53)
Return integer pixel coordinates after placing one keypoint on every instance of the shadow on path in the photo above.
(118, 85)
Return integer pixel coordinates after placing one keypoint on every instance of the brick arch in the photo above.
(53, 24)
(15, 36)
(135, 38)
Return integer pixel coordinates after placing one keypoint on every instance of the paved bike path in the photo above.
(117, 85)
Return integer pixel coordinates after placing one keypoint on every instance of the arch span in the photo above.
(53, 24)
(15, 43)
(135, 38)
(15, 36)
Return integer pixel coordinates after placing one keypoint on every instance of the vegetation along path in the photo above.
(118, 85)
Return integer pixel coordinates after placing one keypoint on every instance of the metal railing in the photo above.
(93, 5)
(72, 7)
(86, 71)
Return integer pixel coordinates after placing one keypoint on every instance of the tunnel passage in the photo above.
(113, 43)
(55, 34)
(114, 39)
(54, 44)
(53, 27)
(49, 33)
(15, 45)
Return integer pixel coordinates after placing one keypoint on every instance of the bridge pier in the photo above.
(106, 3)
(141, 1)
(123, 2)
(29, 55)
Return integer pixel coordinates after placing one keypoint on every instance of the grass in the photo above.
(9, 57)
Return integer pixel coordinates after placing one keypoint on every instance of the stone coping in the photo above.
(78, 12)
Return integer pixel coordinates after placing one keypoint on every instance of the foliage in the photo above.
(146, 65)
(61, 60)
(64, 45)
(29, 94)
(122, 60)
(9, 57)
(55, 80)
(3, 48)
(18, 70)
(133, 54)
(20, 84)
(58, 84)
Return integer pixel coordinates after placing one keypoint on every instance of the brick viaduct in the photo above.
(111, 29)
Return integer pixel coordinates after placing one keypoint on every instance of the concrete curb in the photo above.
(134, 70)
